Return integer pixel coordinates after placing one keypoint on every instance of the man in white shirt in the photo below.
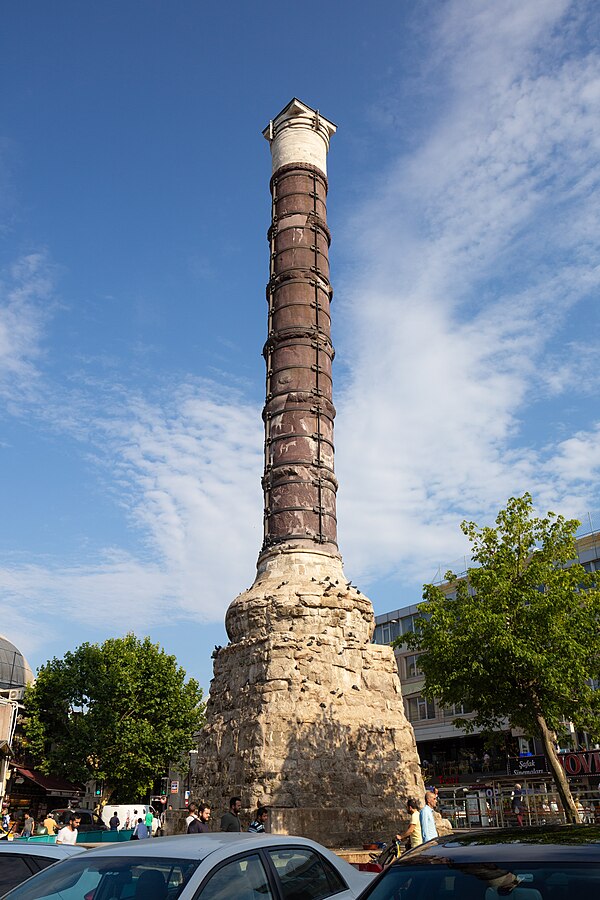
(427, 819)
(68, 834)
(193, 814)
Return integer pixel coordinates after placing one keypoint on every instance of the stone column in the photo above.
(299, 482)
(305, 714)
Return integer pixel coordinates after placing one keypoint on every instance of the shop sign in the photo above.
(581, 762)
(526, 766)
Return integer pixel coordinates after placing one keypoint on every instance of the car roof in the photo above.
(531, 844)
(33, 848)
(69, 809)
(199, 846)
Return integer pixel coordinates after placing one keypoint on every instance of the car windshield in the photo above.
(442, 878)
(109, 878)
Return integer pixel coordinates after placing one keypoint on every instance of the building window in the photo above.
(386, 632)
(411, 666)
(419, 709)
(459, 709)
(407, 623)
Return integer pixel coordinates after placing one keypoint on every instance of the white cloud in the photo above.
(193, 468)
(186, 470)
(485, 238)
(473, 255)
(25, 291)
(577, 460)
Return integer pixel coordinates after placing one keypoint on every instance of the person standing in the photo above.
(427, 819)
(68, 834)
(149, 821)
(258, 824)
(230, 821)
(140, 832)
(28, 826)
(192, 813)
(50, 824)
(114, 822)
(199, 824)
(517, 804)
(414, 829)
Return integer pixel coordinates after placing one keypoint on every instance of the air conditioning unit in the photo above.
(16, 694)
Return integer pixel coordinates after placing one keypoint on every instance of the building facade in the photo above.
(448, 754)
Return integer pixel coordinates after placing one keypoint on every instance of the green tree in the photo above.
(518, 638)
(118, 712)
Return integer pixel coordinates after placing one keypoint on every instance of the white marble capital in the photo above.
(299, 134)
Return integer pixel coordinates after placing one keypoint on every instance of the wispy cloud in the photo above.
(476, 256)
(485, 239)
(189, 470)
(25, 294)
(185, 469)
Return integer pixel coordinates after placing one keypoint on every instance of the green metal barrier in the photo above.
(104, 837)
(36, 839)
(83, 837)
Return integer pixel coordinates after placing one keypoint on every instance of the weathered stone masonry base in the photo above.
(306, 715)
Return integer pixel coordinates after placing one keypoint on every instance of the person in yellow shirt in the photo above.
(414, 829)
(50, 824)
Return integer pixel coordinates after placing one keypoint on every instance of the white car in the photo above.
(20, 860)
(201, 867)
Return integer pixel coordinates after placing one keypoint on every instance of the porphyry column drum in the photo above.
(305, 714)
(299, 482)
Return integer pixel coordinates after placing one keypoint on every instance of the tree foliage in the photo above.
(518, 637)
(116, 712)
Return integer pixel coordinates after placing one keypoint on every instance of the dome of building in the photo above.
(15, 671)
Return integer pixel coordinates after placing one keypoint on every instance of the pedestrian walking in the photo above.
(28, 826)
(230, 821)
(114, 822)
(517, 803)
(199, 824)
(140, 832)
(426, 817)
(258, 824)
(50, 824)
(149, 821)
(413, 833)
(192, 813)
(68, 834)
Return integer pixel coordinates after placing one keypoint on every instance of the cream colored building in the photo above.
(448, 750)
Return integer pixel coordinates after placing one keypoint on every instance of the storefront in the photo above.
(486, 802)
(31, 791)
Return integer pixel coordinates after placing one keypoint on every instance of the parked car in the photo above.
(555, 862)
(203, 867)
(20, 861)
(89, 820)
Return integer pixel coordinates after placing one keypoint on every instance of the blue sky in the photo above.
(464, 206)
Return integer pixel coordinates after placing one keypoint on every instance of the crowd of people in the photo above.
(198, 818)
(65, 835)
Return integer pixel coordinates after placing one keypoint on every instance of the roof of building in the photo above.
(15, 671)
(50, 783)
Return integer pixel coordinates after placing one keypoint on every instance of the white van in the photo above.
(128, 814)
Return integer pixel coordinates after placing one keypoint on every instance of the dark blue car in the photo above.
(547, 863)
